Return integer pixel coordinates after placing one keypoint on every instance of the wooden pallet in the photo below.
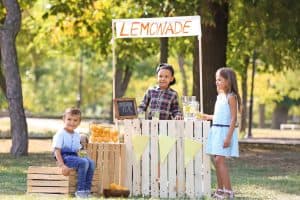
(49, 180)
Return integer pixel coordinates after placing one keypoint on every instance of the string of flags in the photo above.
(166, 144)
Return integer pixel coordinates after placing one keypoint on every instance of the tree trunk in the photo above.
(280, 115)
(244, 80)
(2, 82)
(10, 66)
(214, 41)
(183, 74)
(261, 111)
(164, 50)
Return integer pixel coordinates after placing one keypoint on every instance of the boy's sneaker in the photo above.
(88, 193)
(80, 194)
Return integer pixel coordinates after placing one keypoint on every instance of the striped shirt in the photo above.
(163, 101)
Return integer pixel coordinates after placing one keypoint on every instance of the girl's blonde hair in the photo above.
(229, 75)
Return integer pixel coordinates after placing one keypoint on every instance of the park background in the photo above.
(64, 59)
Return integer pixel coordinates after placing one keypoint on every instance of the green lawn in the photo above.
(258, 174)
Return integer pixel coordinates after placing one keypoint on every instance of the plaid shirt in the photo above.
(163, 101)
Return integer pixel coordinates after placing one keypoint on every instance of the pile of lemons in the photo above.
(100, 133)
(114, 186)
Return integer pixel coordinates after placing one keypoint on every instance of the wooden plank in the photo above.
(189, 170)
(136, 182)
(180, 160)
(154, 159)
(99, 169)
(47, 183)
(111, 164)
(145, 160)
(171, 160)
(116, 158)
(198, 160)
(163, 173)
(47, 177)
(63, 190)
(129, 153)
(106, 168)
(206, 161)
(123, 164)
(43, 170)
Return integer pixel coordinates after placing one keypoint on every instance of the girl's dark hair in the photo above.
(229, 75)
(168, 67)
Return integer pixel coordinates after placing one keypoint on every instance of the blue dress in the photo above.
(219, 130)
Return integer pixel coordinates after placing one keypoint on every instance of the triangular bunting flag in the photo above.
(191, 147)
(139, 143)
(165, 145)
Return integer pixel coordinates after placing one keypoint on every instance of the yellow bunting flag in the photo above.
(139, 143)
(165, 145)
(191, 147)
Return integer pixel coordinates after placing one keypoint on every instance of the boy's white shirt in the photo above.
(63, 139)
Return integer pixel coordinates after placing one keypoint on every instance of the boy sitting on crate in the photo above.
(66, 144)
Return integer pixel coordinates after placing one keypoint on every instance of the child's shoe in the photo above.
(80, 194)
(88, 193)
(218, 194)
(228, 194)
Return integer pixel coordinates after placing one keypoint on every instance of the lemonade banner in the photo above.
(139, 143)
(158, 27)
(165, 145)
(191, 147)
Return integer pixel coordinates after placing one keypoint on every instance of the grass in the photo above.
(258, 174)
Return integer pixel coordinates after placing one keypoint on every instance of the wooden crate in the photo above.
(49, 180)
(110, 161)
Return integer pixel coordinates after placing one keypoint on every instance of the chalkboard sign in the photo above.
(125, 108)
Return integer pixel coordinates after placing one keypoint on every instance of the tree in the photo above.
(8, 34)
(214, 41)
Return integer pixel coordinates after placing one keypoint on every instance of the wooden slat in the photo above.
(63, 190)
(163, 173)
(206, 161)
(189, 170)
(171, 160)
(180, 159)
(106, 167)
(198, 160)
(123, 164)
(117, 160)
(47, 183)
(136, 130)
(145, 161)
(154, 159)
(129, 152)
(47, 177)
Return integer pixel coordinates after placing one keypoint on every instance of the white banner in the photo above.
(158, 27)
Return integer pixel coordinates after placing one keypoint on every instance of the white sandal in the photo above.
(229, 194)
(218, 194)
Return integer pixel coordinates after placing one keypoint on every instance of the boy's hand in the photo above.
(65, 170)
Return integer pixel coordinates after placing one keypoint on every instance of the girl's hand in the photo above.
(227, 142)
(206, 116)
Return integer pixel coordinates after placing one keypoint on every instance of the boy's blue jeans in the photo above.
(85, 168)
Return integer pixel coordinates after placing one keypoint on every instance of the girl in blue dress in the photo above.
(223, 136)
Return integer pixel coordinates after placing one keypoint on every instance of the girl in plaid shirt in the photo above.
(162, 98)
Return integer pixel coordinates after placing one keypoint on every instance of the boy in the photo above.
(66, 144)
